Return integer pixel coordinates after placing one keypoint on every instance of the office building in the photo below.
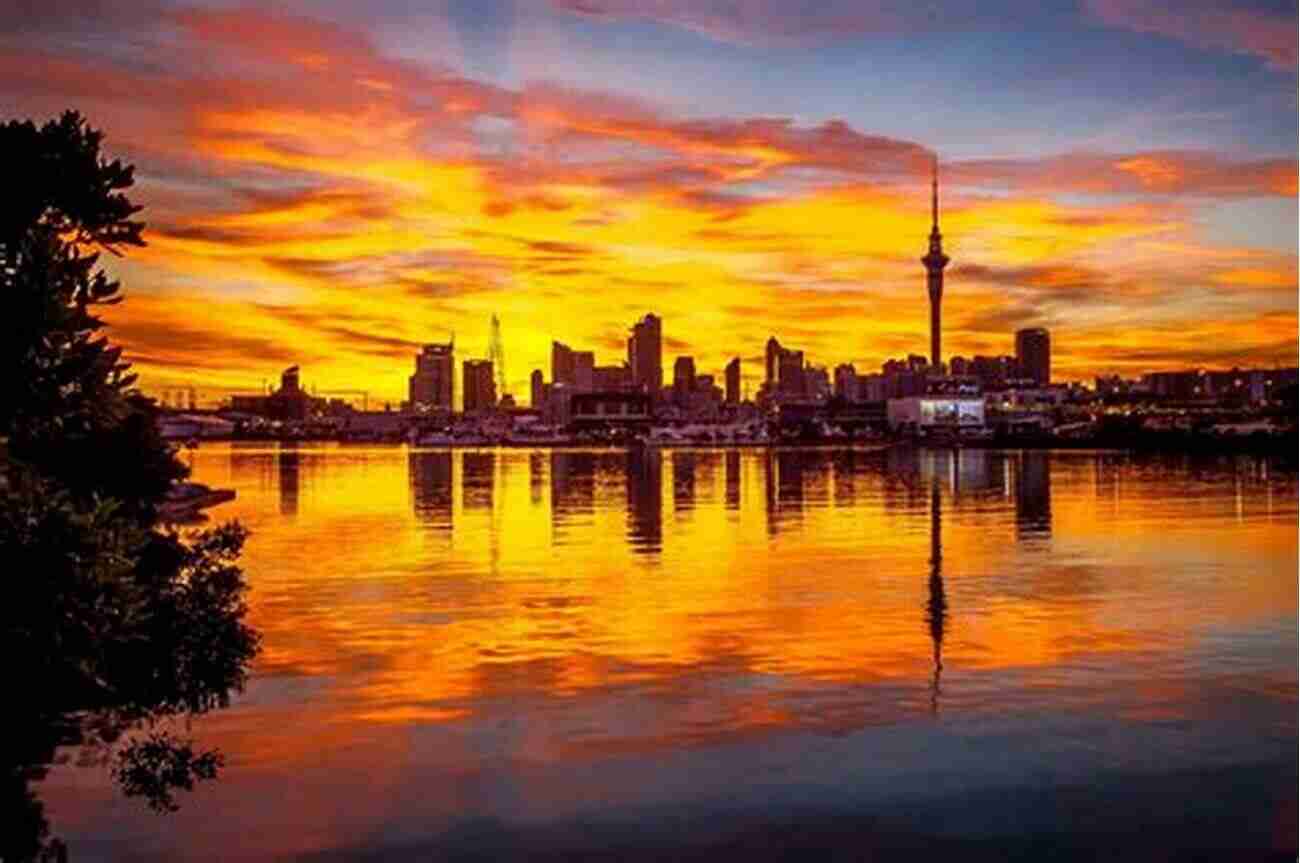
(732, 375)
(562, 364)
(479, 390)
(645, 354)
(432, 387)
(1034, 355)
(683, 380)
(537, 387)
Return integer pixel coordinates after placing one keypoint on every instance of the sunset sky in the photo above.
(333, 183)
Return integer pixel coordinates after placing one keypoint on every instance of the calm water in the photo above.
(592, 647)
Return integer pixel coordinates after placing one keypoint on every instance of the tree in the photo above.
(121, 620)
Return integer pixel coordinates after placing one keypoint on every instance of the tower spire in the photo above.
(934, 193)
(934, 261)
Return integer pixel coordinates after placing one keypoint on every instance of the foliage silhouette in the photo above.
(120, 620)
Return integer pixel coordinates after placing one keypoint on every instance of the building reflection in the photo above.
(536, 476)
(430, 476)
(249, 462)
(731, 473)
(287, 466)
(573, 485)
(1033, 496)
(477, 479)
(783, 483)
(645, 474)
(683, 482)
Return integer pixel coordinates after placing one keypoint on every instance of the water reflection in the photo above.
(430, 477)
(810, 610)
(683, 482)
(478, 481)
(731, 461)
(645, 489)
(936, 607)
(1033, 496)
(287, 477)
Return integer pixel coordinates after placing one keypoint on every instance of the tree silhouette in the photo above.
(119, 621)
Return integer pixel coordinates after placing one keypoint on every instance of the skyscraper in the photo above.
(432, 386)
(537, 386)
(785, 371)
(645, 354)
(935, 260)
(683, 380)
(562, 370)
(480, 391)
(732, 375)
(1034, 355)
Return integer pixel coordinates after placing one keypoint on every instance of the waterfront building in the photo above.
(609, 410)
(1034, 355)
(611, 378)
(432, 386)
(933, 413)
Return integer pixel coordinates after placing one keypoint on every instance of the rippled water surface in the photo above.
(509, 640)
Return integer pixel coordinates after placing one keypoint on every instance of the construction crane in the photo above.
(497, 356)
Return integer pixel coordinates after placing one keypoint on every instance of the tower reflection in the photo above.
(645, 481)
(936, 607)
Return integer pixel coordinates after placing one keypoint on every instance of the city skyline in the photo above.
(336, 192)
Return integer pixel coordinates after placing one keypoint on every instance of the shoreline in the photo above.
(1280, 445)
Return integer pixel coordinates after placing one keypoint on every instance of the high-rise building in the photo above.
(480, 390)
(732, 375)
(846, 382)
(935, 260)
(790, 373)
(562, 364)
(645, 354)
(771, 361)
(537, 387)
(289, 381)
(1034, 355)
(432, 387)
(785, 371)
(683, 380)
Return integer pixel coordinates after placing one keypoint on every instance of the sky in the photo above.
(333, 184)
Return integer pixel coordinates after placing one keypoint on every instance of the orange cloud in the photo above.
(340, 211)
